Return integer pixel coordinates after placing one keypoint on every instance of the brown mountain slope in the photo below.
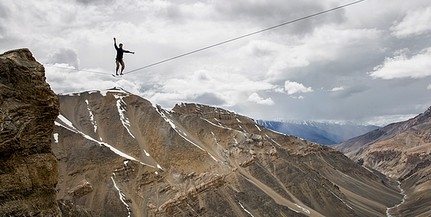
(120, 155)
(402, 151)
(28, 108)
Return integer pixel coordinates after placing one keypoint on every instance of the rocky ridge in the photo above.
(121, 155)
(28, 108)
(403, 152)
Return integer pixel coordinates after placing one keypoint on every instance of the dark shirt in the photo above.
(120, 52)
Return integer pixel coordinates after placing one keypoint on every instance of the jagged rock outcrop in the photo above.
(402, 151)
(28, 108)
(198, 160)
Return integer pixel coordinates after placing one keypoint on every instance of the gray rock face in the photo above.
(28, 108)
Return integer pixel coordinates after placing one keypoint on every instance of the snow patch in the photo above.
(121, 105)
(91, 116)
(71, 94)
(65, 121)
(116, 151)
(303, 209)
(146, 153)
(103, 92)
(270, 138)
(114, 90)
(122, 197)
(240, 127)
(245, 209)
(126, 162)
(215, 138)
(258, 127)
(168, 120)
(183, 135)
(55, 137)
(339, 198)
(277, 132)
(223, 127)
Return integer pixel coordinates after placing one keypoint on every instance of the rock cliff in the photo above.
(28, 108)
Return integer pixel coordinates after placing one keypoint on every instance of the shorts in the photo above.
(119, 61)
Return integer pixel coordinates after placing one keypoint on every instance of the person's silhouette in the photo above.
(119, 58)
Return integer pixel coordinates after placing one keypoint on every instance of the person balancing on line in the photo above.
(119, 57)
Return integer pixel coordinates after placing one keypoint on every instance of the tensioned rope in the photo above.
(246, 35)
(226, 41)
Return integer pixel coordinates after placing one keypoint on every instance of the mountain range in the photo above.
(113, 153)
(119, 153)
(400, 151)
(325, 133)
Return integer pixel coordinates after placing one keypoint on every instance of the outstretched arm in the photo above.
(115, 44)
(126, 51)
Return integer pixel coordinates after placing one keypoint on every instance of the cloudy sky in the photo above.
(368, 63)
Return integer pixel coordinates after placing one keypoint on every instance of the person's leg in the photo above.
(122, 66)
(118, 66)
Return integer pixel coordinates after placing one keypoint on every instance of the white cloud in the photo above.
(402, 66)
(326, 43)
(388, 119)
(335, 89)
(230, 88)
(416, 22)
(298, 97)
(254, 97)
(324, 51)
(64, 78)
(292, 87)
